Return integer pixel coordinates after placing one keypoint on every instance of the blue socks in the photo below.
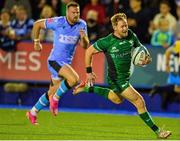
(64, 87)
(42, 102)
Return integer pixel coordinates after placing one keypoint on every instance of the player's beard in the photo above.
(125, 34)
(75, 19)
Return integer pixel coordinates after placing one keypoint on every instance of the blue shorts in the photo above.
(54, 67)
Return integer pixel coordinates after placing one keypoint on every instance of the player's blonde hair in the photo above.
(117, 17)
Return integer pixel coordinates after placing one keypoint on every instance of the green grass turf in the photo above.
(80, 126)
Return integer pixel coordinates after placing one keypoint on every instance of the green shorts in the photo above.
(118, 86)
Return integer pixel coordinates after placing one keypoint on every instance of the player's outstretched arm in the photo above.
(38, 25)
(90, 78)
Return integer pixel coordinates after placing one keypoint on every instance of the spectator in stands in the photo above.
(163, 36)
(22, 24)
(2, 4)
(120, 5)
(112, 7)
(6, 32)
(82, 3)
(47, 12)
(63, 7)
(56, 4)
(153, 5)
(170, 92)
(138, 20)
(92, 25)
(13, 4)
(98, 7)
(37, 6)
(165, 12)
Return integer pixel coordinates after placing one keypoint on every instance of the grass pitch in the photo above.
(80, 126)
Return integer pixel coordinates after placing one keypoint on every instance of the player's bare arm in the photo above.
(38, 25)
(84, 41)
(90, 78)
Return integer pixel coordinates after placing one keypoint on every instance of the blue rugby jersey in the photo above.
(66, 37)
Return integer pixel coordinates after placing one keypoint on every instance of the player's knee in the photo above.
(73, 81)
(116, 101)
(114, 98)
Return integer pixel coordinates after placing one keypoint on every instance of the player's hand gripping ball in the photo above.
(141, 56)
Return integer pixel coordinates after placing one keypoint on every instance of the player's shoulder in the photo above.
(60, 19)
(107, 37)
(82, 22)
(130, 32)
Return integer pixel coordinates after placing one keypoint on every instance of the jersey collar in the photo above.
(71, 25)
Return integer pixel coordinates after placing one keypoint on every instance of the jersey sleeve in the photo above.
(101, 45)
(84, 26)
(51, 23)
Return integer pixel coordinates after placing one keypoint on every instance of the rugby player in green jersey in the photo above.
(117, 48)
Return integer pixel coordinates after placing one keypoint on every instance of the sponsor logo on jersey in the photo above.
(120, 55)
(123, 42)
(68, 39)
(50, 20)
(114, 49)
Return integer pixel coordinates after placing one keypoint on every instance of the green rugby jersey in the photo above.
(118, 54)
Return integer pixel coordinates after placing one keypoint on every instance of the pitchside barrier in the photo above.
(27, 65)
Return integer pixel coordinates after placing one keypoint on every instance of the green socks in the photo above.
(148, 120)
(98, 90)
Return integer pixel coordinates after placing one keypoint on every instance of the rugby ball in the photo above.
(139, 55)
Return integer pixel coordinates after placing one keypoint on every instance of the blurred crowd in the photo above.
(155, 22)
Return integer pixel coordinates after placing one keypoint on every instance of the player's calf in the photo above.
(54, 99)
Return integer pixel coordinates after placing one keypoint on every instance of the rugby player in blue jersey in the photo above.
(68, 31)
